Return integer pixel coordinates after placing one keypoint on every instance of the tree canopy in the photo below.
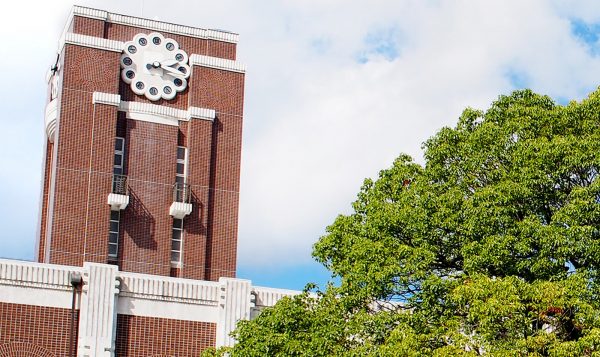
(491, 248)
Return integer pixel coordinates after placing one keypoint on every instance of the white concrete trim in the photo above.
(117, 202)
(106, 98)
(127, 305)
(50, 119)
(270, 296)
(90, 41)
(42, 296)
(180, 209)
(97, 313)
(166, 289)
(201, 113)
(164, 115)
(218, 35)
(218, 63)
(235, 304)
(14, 272)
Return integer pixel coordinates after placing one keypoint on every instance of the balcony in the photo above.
(181, 205)
(118, 199)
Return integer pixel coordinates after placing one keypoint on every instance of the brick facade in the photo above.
(74, 215)
(39, 330)
(139, 336)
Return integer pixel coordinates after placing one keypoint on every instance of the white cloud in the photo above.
(317, 121)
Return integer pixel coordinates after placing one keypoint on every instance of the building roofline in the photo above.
(218, 35)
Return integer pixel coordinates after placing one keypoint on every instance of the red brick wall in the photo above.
(47, 175)
(85, 149)
(27, 330)
(150, 336)
(150, 164)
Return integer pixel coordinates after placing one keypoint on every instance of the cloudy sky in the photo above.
(335, 90)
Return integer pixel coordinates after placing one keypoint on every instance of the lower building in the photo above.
(96, 310)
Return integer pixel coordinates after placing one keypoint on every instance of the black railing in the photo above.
(119, 185)
(181, 192)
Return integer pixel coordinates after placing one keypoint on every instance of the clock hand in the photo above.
(169, 62)
(173, 71)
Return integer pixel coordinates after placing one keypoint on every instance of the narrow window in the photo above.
(176, 242)
(119, 150)
(113, 234)
(118, 177)
(180, 176)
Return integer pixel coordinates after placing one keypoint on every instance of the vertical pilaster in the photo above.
(235, 303)
(97, 314)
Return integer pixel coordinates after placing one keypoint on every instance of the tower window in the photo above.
(119, 154)
(176, 242)
(181, 191)
(113, 234)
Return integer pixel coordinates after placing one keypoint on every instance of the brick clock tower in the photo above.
(142, 159)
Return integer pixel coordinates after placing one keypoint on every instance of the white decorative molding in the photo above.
(218, 63)
(90, 41)
(218, 35)
(270, 296)
(117, 202)
(91, 13)
(180, 209)
(50, 119)
(235, 304)
(167, 309)
(201, 113)
(160, 288)
(37, 284)
(98, 314)
(164, 115)
(47, 276)
(106, 98)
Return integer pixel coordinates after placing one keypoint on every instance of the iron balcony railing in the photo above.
(181, 192)
(119, 185)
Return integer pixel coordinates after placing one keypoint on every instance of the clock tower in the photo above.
(142, 159)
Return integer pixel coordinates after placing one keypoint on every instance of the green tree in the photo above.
(492, 247)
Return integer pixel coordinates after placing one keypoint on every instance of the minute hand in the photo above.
(172, 71)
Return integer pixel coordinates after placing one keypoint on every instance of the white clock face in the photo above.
(154, 66)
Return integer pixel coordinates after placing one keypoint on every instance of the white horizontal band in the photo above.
(218, 35)
(215, 62)
(164, 115)
(90, 41)
(106, 98)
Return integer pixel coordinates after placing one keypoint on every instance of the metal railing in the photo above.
(181, 192)
(119, 185)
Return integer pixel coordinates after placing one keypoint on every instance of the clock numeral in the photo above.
(130, 74)
(153, 90)
(182, 70)
(156, 40)
(142, 41)
(127, 61)
(139, 85)
(179, 57)
(132, 49)
(168, 90)
(178, 82)
(170, 46)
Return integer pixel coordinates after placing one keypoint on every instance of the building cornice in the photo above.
(218, 63)
(217, 35)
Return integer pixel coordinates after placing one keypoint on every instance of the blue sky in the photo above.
(335, 90)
